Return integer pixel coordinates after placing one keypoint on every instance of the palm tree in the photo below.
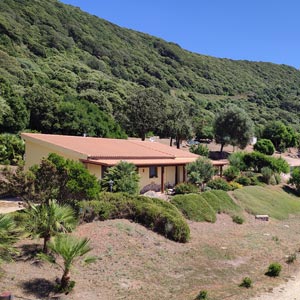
(47, 220)
(9, 234)
(69, 248)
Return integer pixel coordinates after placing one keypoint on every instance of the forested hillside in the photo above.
(65, 71)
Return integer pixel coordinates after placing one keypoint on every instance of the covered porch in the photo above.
(159, 172)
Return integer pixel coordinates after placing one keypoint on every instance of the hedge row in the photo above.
(155, 214)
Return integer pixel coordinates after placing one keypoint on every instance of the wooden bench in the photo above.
(262, 217)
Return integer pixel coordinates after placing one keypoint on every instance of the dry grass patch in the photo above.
(136, 263)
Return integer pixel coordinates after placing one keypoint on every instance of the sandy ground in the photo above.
(286, 291)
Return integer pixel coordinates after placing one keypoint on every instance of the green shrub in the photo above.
(236, 160)
(203, 295)
(219, 184)
(243, 180)
(249, 174)
(161, 217)
(95, 210)
(266, 173)
(256, 161)
(247, 282)
(264, 146)
(186, 188)
(231, 173)
(295, 178)
(200, 171)
(155, 214)
(200, 150)
(235, 185)
(272, 180)
(238, 219)
(124, 177)
(277, 178)
(274, 270)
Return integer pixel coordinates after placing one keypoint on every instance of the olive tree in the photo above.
(146, 111)
(233, 126)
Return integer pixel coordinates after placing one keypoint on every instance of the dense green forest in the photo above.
(65, 71)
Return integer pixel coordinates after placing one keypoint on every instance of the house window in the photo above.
(152, 172)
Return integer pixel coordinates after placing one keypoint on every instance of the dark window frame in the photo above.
(153, 172)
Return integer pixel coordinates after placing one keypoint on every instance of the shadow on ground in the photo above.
(38, 287)
(290, 190)
(28, 252)
(215, 155)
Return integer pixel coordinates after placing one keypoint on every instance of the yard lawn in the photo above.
(270, 200)
(135, 263)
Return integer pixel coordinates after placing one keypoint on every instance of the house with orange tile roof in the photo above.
(156, 163)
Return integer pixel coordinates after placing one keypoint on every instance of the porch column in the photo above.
(162, 180)
(184, 174)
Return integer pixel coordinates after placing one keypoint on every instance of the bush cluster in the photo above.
(153, 213)
(238, 219)
(200, 150)
(231, 173)
(247, 282)
(274, 270)
(186, 188)
(256, 161)
(243, 180)
(264, 146)
(219, 184)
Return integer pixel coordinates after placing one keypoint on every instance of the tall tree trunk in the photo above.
(178, 142)
(45, 246)
(221, 150)
(171, 141)
(65, 279)
(143, 137)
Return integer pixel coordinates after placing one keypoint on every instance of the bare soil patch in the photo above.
(8, 205)
(135, 263)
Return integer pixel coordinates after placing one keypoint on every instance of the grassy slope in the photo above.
(204, 206)
(267, 200)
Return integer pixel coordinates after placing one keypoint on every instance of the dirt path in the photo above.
(287, 291)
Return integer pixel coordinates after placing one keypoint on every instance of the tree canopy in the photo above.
(233, 126)
(282, 136)
(146, 111)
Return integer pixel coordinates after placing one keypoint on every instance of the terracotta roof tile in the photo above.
(97, 148)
